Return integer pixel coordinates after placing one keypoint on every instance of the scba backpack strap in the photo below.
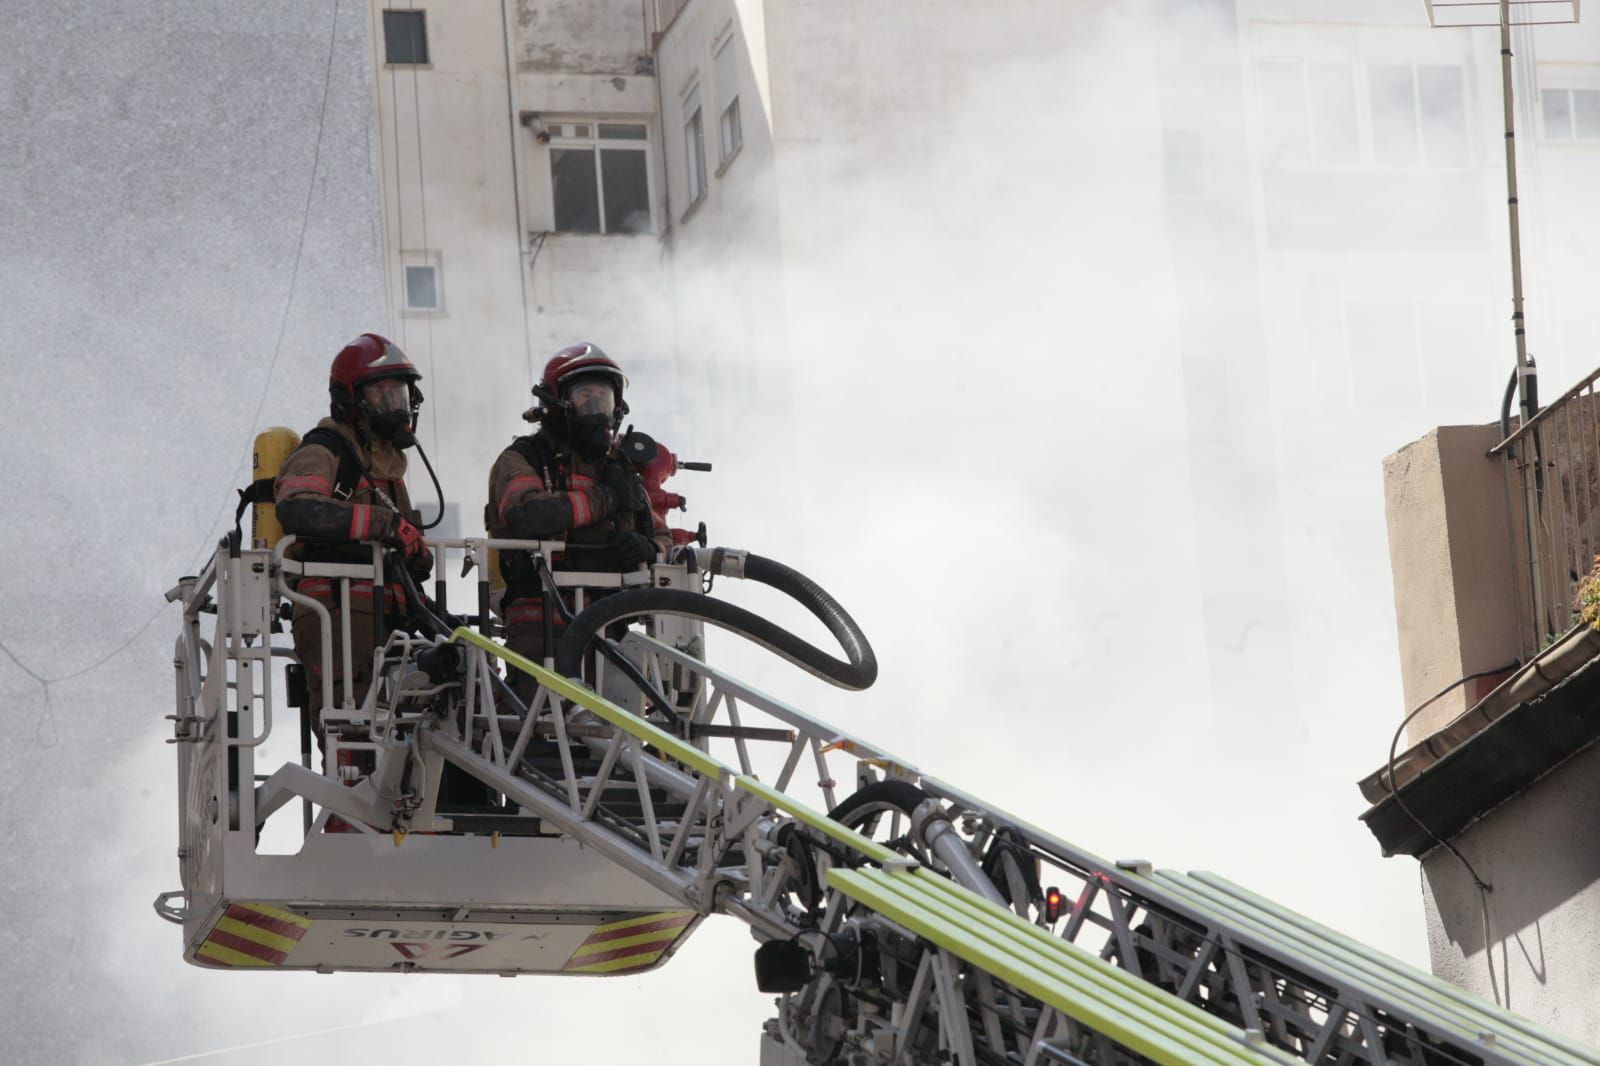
(537, 455)
(348, 478)
(517, 567)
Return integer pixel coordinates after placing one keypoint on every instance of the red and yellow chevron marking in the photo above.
(252, 934)
(629, 945)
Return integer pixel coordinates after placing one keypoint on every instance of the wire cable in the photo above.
(422, 201)
(1484, 888)
(47, 715)
(399, 207)
(524, 266)
(1394, 744)
(294, 275)
(375, 45)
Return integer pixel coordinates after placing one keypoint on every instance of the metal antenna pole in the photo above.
(1527, 375)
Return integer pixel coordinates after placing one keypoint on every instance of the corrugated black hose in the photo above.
(442, 623)
(859, 672)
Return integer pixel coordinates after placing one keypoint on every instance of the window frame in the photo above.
(694, 147)
(596, 144)
(414, 259)
(421, 15)
(728, 97)
(1570, 136)
(1424, 300)
(1366, 153)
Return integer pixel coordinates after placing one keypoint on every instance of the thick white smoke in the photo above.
(971, 381)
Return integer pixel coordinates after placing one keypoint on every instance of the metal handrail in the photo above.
(1552, 471)
(1539, 418)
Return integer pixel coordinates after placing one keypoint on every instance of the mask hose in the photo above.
(407, 439)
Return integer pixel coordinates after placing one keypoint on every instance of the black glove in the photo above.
(631, 549)
(420, 566)
(626, 488)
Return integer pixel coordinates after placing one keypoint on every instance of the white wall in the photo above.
(443, 140)
(1538, 854)
(724, 254)
(465, 181)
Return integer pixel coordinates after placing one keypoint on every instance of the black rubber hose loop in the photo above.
(859, 672)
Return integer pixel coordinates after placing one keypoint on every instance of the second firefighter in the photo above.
(567, 482)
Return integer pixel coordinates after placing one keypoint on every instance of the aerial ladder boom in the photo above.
(1188, 968)
(907, 921)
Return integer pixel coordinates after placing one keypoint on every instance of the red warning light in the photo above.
(1052, 904)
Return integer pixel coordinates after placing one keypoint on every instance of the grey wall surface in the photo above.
(156, 192)
(581, 36)
(1538, 854)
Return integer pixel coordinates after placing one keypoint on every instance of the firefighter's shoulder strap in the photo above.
(516, 567)
(345, 481)
(535, 450)
(351, 468)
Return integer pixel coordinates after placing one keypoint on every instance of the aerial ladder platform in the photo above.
(589, 830)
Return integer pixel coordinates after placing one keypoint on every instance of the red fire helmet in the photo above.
(579, 359)
(367, 358)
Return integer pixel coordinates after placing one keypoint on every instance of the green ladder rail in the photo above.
(1368, 1007)
(1080, 985)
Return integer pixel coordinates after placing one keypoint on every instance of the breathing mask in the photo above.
(388, 408)
(592, 405)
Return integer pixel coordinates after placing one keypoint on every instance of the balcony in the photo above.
(1492, 530)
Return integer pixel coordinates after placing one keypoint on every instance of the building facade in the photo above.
(1291, 214)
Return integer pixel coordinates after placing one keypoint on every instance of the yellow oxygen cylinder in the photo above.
(272, 447)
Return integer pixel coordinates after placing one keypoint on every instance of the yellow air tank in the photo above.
(497, 581)
(272, 447)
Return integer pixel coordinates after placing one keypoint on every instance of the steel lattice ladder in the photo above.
(1188, 968)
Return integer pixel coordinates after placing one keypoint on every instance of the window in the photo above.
(1442, 115)
(1340, 115)
(422, 282)
(694, 145)
(600, 177)
(405, 37)
(1309, 114)
(1332, 89)
(728, 100)
(422, 288)
(1416, 353)
(1285, 133)
(1570, 114)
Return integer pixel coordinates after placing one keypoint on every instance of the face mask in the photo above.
(591, 435)
(387, 405)
(592, 398)
(592, 403)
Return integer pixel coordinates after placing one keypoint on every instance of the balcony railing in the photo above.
(1552, 467)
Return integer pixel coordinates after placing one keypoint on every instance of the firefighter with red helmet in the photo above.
(344, 487)
(567, 482)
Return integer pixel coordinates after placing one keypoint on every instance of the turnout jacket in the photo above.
(331, 518)
(540, 490)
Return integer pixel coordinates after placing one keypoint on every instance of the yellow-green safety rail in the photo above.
(1080, 985)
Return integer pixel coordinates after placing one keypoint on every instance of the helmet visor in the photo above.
(389, 396)
(595, 396)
